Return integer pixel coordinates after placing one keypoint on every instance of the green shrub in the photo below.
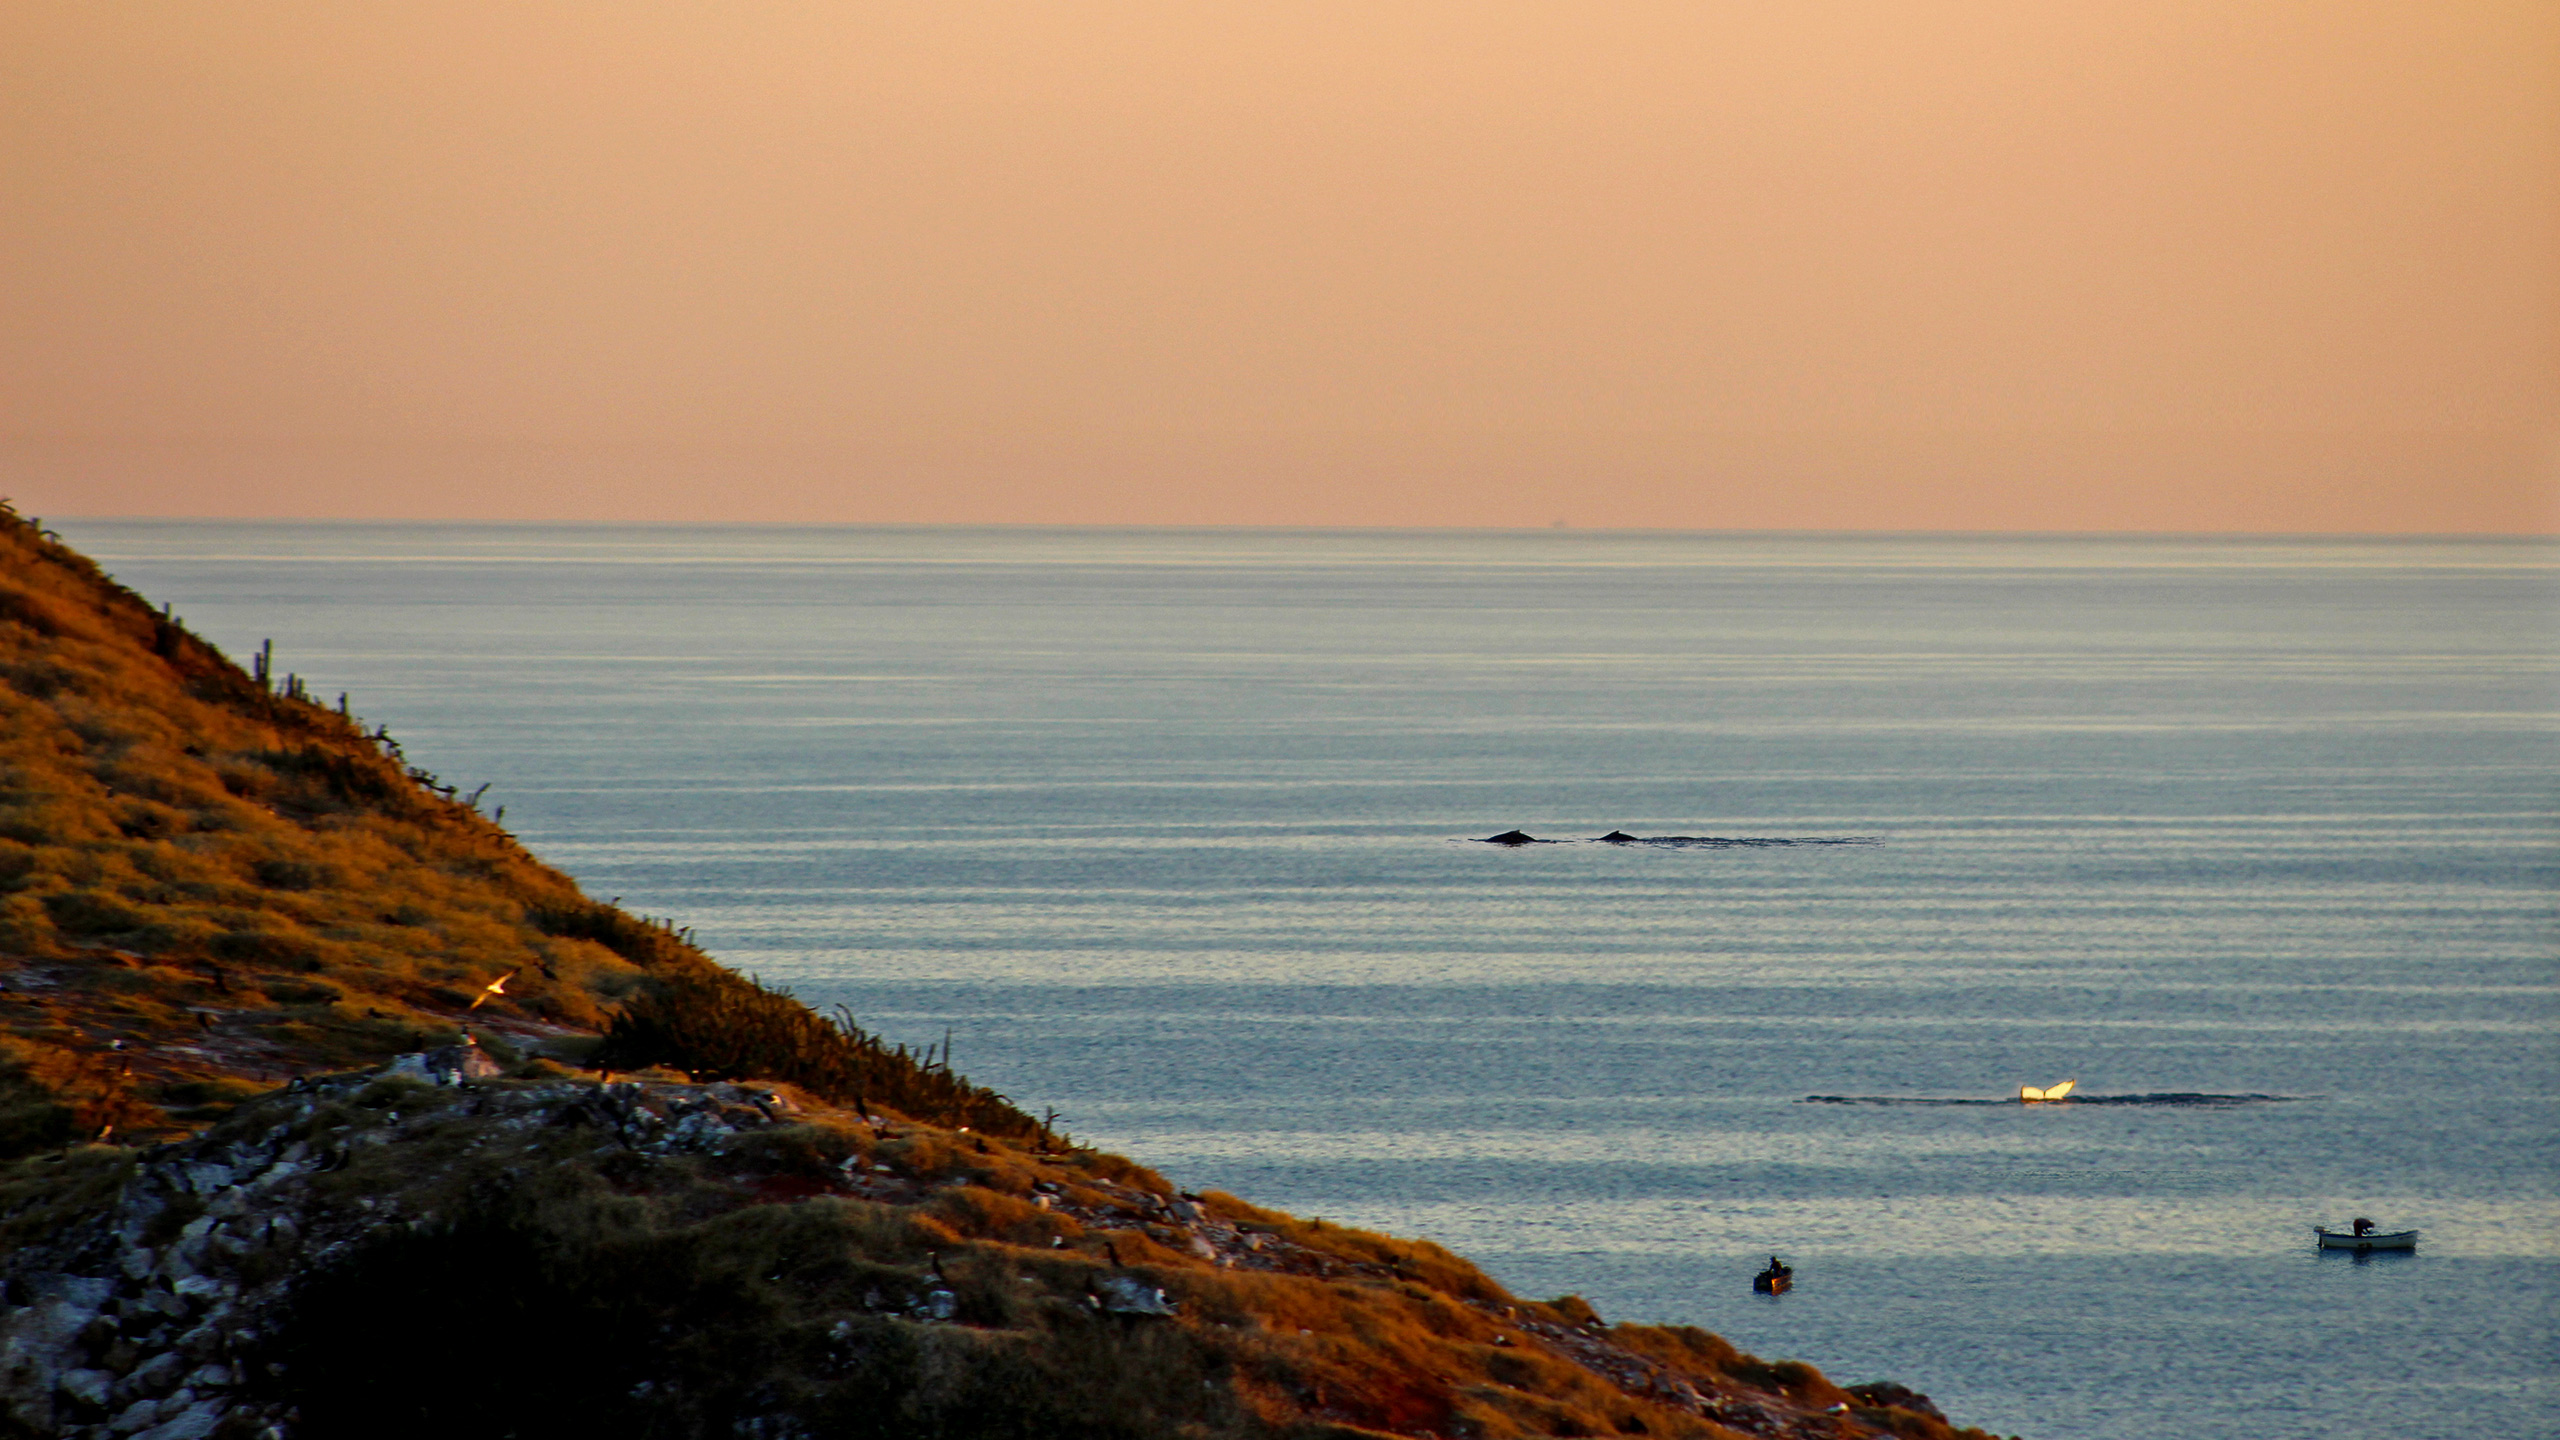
(302, 992)
(717, 1025)
(291, 952)
(341, 779)
(287, 874)
(625, 934)
(32, 1117)
(89, 912)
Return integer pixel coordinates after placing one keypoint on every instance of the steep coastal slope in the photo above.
(327, 1110)
(211, 882)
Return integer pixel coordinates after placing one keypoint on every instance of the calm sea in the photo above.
(2254, 839)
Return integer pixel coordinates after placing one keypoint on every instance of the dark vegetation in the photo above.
(690, 1332)
(719, 1027)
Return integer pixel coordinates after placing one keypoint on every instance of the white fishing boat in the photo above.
(2366, 1242)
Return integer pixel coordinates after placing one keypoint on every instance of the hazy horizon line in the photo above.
(1035, 526)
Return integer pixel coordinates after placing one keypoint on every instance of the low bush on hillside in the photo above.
(718, 1025)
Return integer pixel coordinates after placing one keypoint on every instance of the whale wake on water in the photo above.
(2187, 1098)
(1681, 842)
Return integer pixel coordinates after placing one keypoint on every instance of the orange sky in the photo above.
(2099, 265)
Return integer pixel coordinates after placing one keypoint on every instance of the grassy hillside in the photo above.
(211, 881)
(224, 905)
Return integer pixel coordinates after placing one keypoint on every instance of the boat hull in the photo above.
(2366, 1244)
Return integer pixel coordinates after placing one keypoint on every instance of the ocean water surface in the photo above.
(1169, 830)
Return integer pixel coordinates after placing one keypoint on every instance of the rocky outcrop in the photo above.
(156, 1315)
(448, 1064)
(728, 1259)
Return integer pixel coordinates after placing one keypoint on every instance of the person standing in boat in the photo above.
(1774, 1280)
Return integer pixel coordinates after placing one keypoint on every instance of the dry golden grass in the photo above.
(211, 881)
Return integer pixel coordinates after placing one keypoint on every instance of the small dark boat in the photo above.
(2363, 1239)
(1776, 1280)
